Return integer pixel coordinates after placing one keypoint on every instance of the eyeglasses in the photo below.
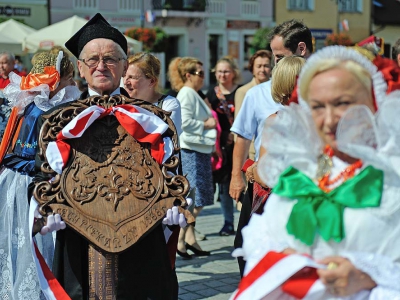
(199, 73)
(109, 61)
(133, 78)
(224, 72)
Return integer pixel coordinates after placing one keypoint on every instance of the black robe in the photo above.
(144, 270)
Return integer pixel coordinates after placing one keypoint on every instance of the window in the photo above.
(129, 5)
(350, 5)
(85, 4)
(300, 4)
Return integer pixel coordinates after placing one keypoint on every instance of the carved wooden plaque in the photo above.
(111, 191)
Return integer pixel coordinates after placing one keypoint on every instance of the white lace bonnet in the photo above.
(342, 53)
(39, 93)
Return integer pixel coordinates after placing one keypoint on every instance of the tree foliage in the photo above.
(260, 40)
(153, 39)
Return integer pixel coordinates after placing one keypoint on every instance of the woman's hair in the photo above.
(148, 64)
(178, 68)
(284, 77)
(259, 53)
(232, 64)
(362, 74)
(49, 58)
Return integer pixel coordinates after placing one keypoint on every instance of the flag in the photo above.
(150, 17)
(345, 25)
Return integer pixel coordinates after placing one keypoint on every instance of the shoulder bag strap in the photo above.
(224, 104)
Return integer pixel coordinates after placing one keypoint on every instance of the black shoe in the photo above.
(199, 235)
(227, 229)
(184, 255)
(196, 251)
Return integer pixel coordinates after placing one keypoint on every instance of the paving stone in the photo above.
(209, 292)
(191, 296)
(226, 288)
(195, 287)
(212, 277)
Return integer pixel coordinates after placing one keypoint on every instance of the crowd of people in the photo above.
(308, 147)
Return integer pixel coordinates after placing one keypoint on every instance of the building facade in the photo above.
(328, 16)
(34, 13)
(206, 29)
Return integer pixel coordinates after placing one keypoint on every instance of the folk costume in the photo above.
(29, 98)
(143, 271)
(322, 206)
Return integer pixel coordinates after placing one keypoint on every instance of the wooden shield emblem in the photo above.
(111, 191)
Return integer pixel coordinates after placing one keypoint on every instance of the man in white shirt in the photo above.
(289, 38)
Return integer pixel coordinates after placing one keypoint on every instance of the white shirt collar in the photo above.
(93, 93)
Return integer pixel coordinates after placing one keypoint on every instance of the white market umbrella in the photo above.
(12, 36)
(59, 33)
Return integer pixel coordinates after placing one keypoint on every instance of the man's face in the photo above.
(105, 77)
(278, 49)
(6, 65)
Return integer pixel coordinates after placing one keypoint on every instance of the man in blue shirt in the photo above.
(289, 38)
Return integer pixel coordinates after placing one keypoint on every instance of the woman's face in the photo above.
(65, 81)
(224, 73)
(136, 83)
(262, 69)
(330, 94)
(198, 78)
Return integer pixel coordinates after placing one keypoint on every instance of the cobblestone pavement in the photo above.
(216, 276)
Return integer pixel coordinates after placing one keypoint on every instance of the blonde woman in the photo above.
(284, 81)
(332, 163)
(141, 81)
(284, 78)
(197, 142)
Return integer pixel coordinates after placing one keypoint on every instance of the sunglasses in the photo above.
(199, 73)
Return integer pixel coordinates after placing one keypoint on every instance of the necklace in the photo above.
(324, 170)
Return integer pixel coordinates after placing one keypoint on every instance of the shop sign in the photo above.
(321, 34)
(14, 11)
(240, 24)
(216, 23)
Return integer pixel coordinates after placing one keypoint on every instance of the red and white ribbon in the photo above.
(50, 286)
(140, 123)
(273, 278)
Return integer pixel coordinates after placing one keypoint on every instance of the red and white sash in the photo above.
(142, 124)
(273, 278)
(50, 286)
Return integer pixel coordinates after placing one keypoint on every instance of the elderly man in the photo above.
(289, 38)
(7, 61)
(143, 271)
(6, 66)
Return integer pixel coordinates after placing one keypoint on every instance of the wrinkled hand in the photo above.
(250, 173)
(173, 217)
(342, 278)
(54, 223)
(236, 187)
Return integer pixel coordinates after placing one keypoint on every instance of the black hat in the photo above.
(96, 28)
